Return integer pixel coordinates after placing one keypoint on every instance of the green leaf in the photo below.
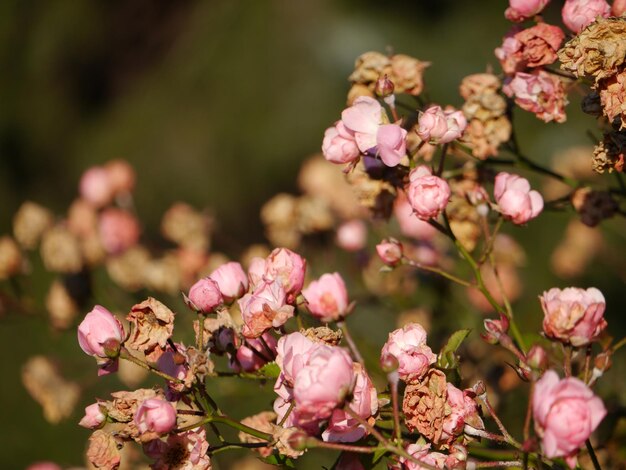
(269, 370)
(378, 455)
(279, 461)
(447, 356)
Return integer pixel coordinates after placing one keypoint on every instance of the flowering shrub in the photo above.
(437, 171)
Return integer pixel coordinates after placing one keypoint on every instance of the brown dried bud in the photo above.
(374, 194)
(384, 87)
(10, 257)
(29, 224)
(290, 442)
(603, 361)
(104, 450)
(186, 226)
(407, 74)
(593, 206)
(613, 98)
(127, 269)
(323, 334)
(60, 251)
(591, 104)
(61, 307)
(610, 153)
(124, 404)
(263, 421)
(424, 405)
(368, 67)
(153, 324)
(163, 274)
(356, 91)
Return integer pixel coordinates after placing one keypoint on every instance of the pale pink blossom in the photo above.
(254, 353)
(578, 14)
(205, 295)
(463, 412)
(421, 452)
(292, 353)
(363, 119)
(121, 176)
(94, 417)
(43, 466)
(256, 272)
(265, 308)
(118, 230)
(182, 451)
(341, 426)
(516, 201)
(390, 251)
(96, 187)
(520, 10)
(531, 47)
(231, 280)
(100, 335)
(440, 126)
(428, 194)
(573, 315)
(327, 297)
(565, 412)
(408, 346)
(410, 225)
(339, 145)
(155, 415)
(618, 8)
(391, 144)
(352, 235)
(288, 268)
(540, 93)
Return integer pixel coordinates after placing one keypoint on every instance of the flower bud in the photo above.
(231, 280)
(352, 235)
(384, 87)
(10, 257)
(389, 363)
(428, 194)
(618, 8)
(390, 251)
(205, 295)
(327, 297)
(578, 14)
(603, 361)
(537, 358)
(100, 333)
(94, 417)
(520, 10)
(155, 415)
(495, 329)
(479, 389)
(516, 201)
(299, 440)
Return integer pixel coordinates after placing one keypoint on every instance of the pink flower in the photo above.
(339, 145)
(121, 176)
(439, 126)
(96, 187)
(566, 412)
(43, 466)
(155, 415)
(363, 119)
(618, 8)
(352, 235)
(118, 229)
(531, 47)
(578, 14)
(184, 451)
(231, 280)
(288, 268)
(327, 298)
(254, 353)
(540, 93)
(391, 144)
(344, 428)
(94, 417)
(265, 308)
(292, 353)
(410, 225)
(520, 10)
(421, 453)
(517, 202)
(390, 251)
(463, 411)
(100, 335)
(205, 295)
(324, 382)
(573, 315)
(427, 194)
(408, 347)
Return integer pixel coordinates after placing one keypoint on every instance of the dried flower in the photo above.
(10, 257)
(60, 251)
(30, 222)
(593, 206)
(104, 450)
(424, 405)
(153, 324)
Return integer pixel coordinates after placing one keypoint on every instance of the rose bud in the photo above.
(578, 14)
(155, 415)
(288, 268)
(384, 87)
(390, 251)
(495, 329)
(537, 358)
(440, 127)
(339, 145)
(520, 10)
(118, 229)
(618, 8)
(205, 295)
(352, 235)
(100, 334)
(408, 346)
(573, 315)
(94, 417)
(566, 412)
(327, 298)
(516, 201)
(44, 466)
(96, 187)
(231, 279)
(427, 194)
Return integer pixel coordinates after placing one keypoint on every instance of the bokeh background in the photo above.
(218, 103)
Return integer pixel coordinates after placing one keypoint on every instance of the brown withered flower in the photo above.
(30, 222)
(163, 274)
(282, 436)
(10, 257)
(368, 67)
(377, 195)
(263, 421)
(153, 324)
(127, 269)
(60, 251)
(104, 450)
(593, 206)
(184, 225)
(613, 98)
(61, 306)
(280, 218)
(407, 74)
(424, 405)
(598, 51)
(122, 407)
(323, 334)
(609, 154)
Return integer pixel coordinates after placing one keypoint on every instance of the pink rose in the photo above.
(344, 428)
(566, 412)
(520, 10)
(187, 450)
(411, 226)
(231, 280)
(95, 187)
(391, 144)
(463, 411)
(421, 452)
(44, 466)
(205, 295)
(118, 229)
(288, 268)
(408, 346)
(292, 353)
(254, 353)
(578, 14)
(618, 8)
(121, 176)
(94, 417)
(363, 119)
(573, 315)
(439, 126)
(155, 415)
(516, 201)
(390, 251)
(352, 235)
(339, 145)
(531, 47)
(100, 334)
(427, 194)
(265, 308)
(327, 298)
(324, 382)
(540, 93)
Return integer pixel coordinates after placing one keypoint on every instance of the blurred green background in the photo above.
(217, 103)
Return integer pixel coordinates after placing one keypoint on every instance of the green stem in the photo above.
(352, 345)
(441, 272)
(236, 445)
(125, 354)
